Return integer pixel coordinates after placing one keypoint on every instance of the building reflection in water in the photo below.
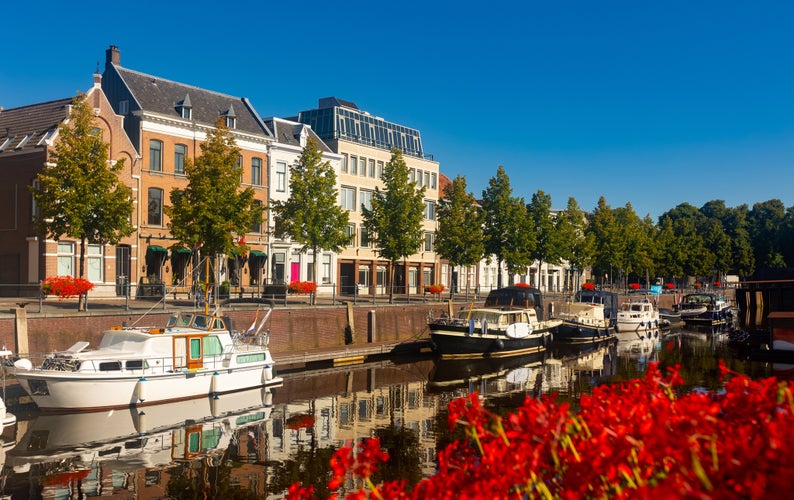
(254, 444)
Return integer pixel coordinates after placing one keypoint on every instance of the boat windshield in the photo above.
(177, 320)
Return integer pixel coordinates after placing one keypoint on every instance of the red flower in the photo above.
(523, 285)
(66, 286)
(634, 286)
(303, 287)
(436, 289)
(669, 286)
(588, 286)
(718, 284)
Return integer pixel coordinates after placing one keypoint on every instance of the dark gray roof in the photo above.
(329, 102)
(289, 132)
(36, 122)
(161, 96)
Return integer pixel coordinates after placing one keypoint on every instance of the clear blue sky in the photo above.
(653, 103)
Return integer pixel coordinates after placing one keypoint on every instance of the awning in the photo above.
(156, 249)
(181, 250)
(257, 253)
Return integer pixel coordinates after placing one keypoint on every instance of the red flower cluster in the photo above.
(588, 286)
(669, 286)
(66, 286)
(303, 287)
(523, 285)
(718, 284)
(635, 439)
(634, 286)
(434, 288)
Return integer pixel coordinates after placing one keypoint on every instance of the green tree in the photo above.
(80, 195)
(459, 238)
(312, 215)
(765, 222)
(576, 245)
(213, 208)
(507, 230)
(603, 229)
(548, 247)
(395, 219)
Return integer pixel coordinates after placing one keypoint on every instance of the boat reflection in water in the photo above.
(563, 369)
(67, 447)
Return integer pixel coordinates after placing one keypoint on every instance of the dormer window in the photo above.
(5, 143)
(184, 108)
(230, 117)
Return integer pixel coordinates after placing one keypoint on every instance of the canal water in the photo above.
(254, 444)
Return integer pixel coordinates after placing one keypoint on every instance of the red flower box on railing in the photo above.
(523, 285)
(718, 284)
(634, 286)
(65, 286)
(588, 286)
(303, 287)
(669, 286)
(435, 289)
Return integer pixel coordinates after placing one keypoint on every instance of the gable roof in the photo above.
(164, 97)
(289, 132)
(35, 122)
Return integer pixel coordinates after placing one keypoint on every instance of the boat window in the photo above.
(218, 324)
(201, 322)
(110, 366)
(250, 358)
(195, 348)
(134, 364)
(212, 346)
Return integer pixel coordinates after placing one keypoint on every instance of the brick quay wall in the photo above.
(293, 328)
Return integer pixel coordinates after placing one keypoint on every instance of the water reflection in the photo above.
(254, 444)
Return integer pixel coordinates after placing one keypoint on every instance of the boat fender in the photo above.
(140, 390)
(214, 383)
(500, 344)
(23, 364)
(267, 373)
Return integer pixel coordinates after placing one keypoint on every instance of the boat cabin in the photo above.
(518, 297)
(608, 299)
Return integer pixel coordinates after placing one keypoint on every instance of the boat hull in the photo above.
(74, 391)
(452, 341)
(574, 331)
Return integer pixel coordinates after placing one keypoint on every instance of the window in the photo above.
(348, 198)
(65, 258)
(231, 122)
(156, 155)
(93, 263)
(180, 152)
(353, 165)
(155, 207)
(412, 175)
(34, 207)
(371, 172)
(430, 210)
(379, 172)
(351, 233)
(185, 112)
(364, 240)
(427, 179)
(344, 164)
(256, 171)
(433, 181)
(256, 227)
(124, 107)
(366, 199)
(326, 268)
(281, 176)
(428, 242)
(239, 167)
(362, 167)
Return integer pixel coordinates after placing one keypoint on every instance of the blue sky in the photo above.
(652, 103)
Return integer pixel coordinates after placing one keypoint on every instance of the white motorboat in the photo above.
(637, 315)
(195, 355)
(705, 309)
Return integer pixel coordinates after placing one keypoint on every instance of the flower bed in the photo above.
(303, 287)
(588, 286)
(634, 439)
(65, 286)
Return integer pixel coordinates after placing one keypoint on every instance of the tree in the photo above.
(603, 228)
(80, 195)
(547, 245)
(459, 238)
(576, 245)
(507, 230)
(213, 208)
(312, 215)
(766, 220)
(395, 219)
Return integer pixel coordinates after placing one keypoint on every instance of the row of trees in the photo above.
(81, 197)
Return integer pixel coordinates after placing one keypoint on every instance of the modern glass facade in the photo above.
(340, 122)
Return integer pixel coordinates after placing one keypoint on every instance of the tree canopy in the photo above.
(459, 238)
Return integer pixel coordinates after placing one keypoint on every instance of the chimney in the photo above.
(97, 80)
(113, 56)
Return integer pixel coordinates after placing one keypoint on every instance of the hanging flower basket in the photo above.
(588, 286)
(634, 286)
(302, 287)
(65, 286)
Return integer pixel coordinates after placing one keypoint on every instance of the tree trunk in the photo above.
(391, 282)
(81, 300)
(498, 273)
(312, 296)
